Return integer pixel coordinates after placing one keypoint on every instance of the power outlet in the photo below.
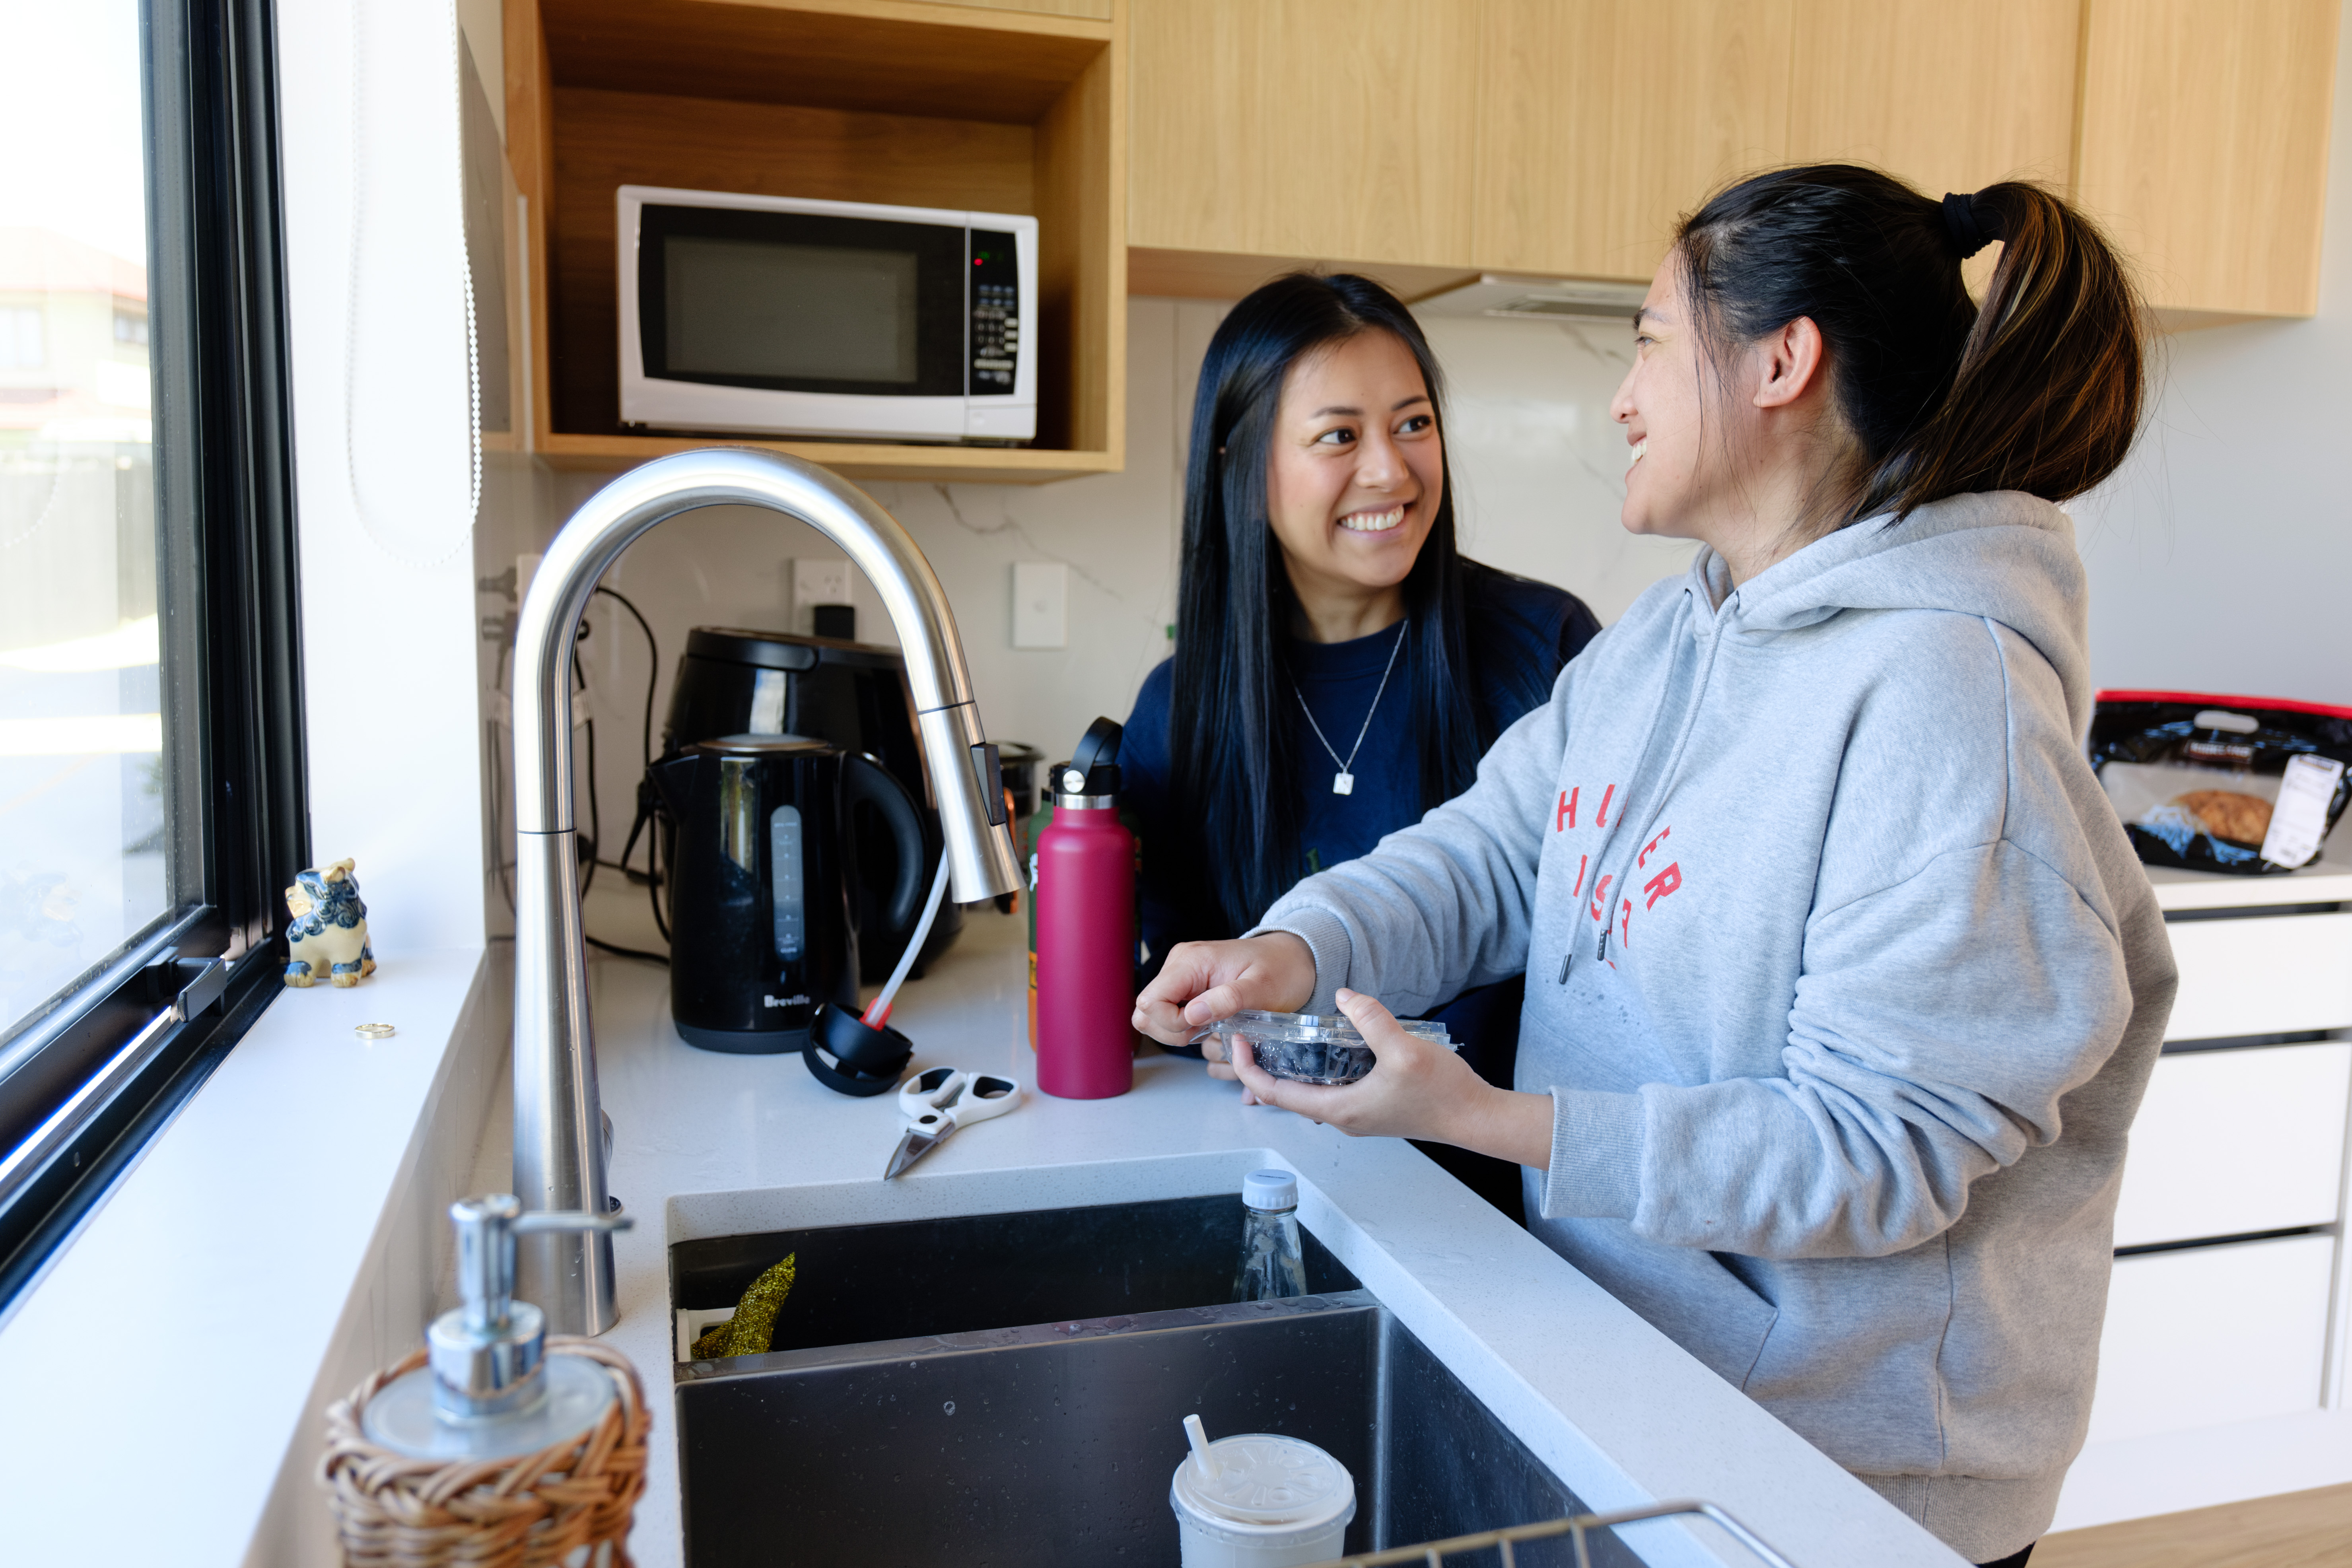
(817, 583)
(1041, 603)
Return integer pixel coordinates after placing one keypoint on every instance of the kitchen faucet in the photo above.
(559, 1128)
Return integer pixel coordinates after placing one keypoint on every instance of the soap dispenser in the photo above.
(488, 1389)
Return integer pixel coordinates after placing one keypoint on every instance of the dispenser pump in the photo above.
(487, 1390)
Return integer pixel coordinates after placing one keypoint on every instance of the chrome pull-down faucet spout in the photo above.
(558, 1145)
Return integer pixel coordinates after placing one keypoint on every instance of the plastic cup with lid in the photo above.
(1258, 1501)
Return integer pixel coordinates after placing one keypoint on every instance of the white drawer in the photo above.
(2268, 975)
(2235, 1141)
(2210, 1335)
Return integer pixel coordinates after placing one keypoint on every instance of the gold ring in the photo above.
(373, 1031)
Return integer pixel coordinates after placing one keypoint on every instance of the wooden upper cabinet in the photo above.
(1600, 123)
(1013, 108)
(1303, 128)
(2204, 147)
(1565, 137)
(1946, 96)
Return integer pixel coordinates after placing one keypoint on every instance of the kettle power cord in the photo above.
(595, 815)
(652, 875)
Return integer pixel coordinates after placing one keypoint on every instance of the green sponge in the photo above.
(753, 1326)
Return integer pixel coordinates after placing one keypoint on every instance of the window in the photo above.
(20, 338)
(150, 749)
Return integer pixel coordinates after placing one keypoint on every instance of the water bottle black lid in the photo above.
(1094, 763)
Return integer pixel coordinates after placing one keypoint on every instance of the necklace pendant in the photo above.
(1343, 783)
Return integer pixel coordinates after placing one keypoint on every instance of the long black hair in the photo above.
(2039, 390)
(1230, 726)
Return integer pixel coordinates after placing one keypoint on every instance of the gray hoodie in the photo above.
(1843, 978)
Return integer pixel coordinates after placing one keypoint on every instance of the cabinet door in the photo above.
(2213, 1334)
(1600, 123)
(2237, 1140)
(1293, 128)
(2266, 976)
(2204, 146)
(1948, 98)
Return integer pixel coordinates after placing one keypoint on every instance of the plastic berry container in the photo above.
(1310, 1048)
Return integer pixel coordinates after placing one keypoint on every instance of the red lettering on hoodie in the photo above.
(1581, 862)
(1665, 882)
(1601, 899)
(1601, 818)
(1643, 858)
(1565, 817)
(1625, 929)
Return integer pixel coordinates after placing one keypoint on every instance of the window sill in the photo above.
(265, 1239)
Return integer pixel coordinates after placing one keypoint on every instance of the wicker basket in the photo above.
(397, 1511)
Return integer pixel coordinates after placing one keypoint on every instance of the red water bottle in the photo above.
(1086, 929)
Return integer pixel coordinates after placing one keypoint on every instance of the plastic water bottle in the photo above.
(1086, 929)
(1272, 1263)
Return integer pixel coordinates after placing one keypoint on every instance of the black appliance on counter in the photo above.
(853, 695)
(760, 929)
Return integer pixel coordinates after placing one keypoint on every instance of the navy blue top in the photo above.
(1337, 681)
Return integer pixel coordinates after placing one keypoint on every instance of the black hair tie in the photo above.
(1963, 222)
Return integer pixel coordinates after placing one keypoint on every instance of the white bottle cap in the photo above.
(1270, 1190)
(1265, 1486)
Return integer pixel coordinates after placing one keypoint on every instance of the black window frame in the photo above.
(110, 1061)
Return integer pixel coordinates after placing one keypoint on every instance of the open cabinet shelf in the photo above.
(865, 101)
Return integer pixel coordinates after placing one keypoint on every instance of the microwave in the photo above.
(771, 316)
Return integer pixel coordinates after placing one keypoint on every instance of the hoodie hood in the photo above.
(2004, 555)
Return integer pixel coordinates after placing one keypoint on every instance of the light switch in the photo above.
(1041, 603)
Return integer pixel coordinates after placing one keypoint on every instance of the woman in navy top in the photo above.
(1340, 667)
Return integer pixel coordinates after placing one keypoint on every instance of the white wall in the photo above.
(383, 458)
(2220, 557)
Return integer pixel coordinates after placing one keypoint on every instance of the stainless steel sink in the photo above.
(1007, 1389)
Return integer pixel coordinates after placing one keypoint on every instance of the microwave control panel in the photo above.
(995, 303)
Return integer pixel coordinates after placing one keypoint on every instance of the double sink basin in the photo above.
(1008, 1389)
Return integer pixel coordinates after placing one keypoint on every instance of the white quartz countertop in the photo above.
(709, 1144)
(2326, 880)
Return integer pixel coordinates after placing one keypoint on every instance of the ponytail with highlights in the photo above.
(2038, 390)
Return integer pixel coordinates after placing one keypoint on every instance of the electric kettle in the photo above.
(733, 681)
(762, 928)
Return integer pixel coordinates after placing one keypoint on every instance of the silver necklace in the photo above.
(1344, 780)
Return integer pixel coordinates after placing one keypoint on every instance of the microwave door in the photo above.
(800, 324)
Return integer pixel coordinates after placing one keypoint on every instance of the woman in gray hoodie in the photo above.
(1844, 983)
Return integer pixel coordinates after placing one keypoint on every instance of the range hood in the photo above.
(1511, 296)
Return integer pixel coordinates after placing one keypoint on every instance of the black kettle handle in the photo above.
(673, 781)
(863, 778)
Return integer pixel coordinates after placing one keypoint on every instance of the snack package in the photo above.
(2245, 784)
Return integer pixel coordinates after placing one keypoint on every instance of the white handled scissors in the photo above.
(938, 1101)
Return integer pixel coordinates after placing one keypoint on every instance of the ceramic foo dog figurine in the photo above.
(329, 935)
